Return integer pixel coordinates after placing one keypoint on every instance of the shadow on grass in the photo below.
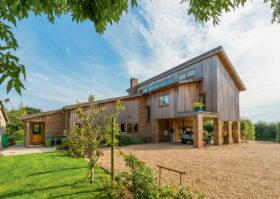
(99, 196)
(23, 192)
(55, 171)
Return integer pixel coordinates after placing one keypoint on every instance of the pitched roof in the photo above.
(216, 51)
(5, 115)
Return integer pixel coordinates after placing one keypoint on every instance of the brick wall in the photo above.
(55, 124)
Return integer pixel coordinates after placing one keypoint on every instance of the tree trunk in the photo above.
(92, 175)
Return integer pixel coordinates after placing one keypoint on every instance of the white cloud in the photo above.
(162, 36)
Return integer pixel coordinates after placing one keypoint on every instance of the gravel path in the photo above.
(248, 170)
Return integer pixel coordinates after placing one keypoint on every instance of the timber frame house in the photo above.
(158, 108)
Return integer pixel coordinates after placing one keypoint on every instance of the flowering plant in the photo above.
(197, 104)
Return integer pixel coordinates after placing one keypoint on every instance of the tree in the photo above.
(100, 12)
(206, 10)
(95, 131)
(31, 110)
(248, 126)
(15, 123)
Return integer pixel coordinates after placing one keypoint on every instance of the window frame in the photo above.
(163, 100)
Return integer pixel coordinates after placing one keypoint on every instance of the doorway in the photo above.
(37, 133)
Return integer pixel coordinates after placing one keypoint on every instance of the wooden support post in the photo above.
(197, 132)
(113, 152)
(228, 129)
(236, 126)
(217, 128)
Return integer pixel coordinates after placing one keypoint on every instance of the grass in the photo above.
(48, 175)
(19, 141)
(266, 139)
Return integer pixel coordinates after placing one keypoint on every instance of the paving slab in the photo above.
(19, 149)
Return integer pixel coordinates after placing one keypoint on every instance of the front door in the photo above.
(37, 131)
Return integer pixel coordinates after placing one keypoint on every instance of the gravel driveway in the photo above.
(248, 170)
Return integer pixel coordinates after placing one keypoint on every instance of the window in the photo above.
(151, 88)
(163, 100)
(166, 100)
(129, 128)
(191, 73)
(182, 76)
(170, 81)
(148, 114)
(164, 83)
(145, 90)
(135, 128)
(156, 86)
(37, 129)
(123, 128)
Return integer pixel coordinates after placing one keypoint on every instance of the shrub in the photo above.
(248, 126)
(144, 184)
(19, 135)
(124, 140)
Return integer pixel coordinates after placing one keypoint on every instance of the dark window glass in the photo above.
(37, 129)
(135, 128)
(123, 127)
(148, 113)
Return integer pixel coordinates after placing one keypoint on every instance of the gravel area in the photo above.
(247, 170)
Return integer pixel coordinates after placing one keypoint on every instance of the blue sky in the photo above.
(66, 62)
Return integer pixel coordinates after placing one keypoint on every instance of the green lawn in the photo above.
(48, 175)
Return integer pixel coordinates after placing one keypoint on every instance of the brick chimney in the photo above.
(133, 82)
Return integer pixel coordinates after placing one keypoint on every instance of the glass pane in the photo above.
(161, 101)
(151, 88)
(166, 100)
(135, 129)
(156, 86)
(191, 73)
(123, 127)
(182, 76)
(37, 129)
(164, 83)
(170, 81)
(145, 90)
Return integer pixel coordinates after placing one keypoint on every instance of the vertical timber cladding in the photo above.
(228, 95)
(187, 95)
(210, 83)
(130, 114)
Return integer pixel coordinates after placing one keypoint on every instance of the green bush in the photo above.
(143, 183)
(125, 140)
(248, 126)
(19, 135)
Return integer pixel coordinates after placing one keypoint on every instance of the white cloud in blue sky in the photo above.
(67, 61)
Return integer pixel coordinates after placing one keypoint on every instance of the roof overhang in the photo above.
(5, 115)
(216, 51)
(40, 114)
